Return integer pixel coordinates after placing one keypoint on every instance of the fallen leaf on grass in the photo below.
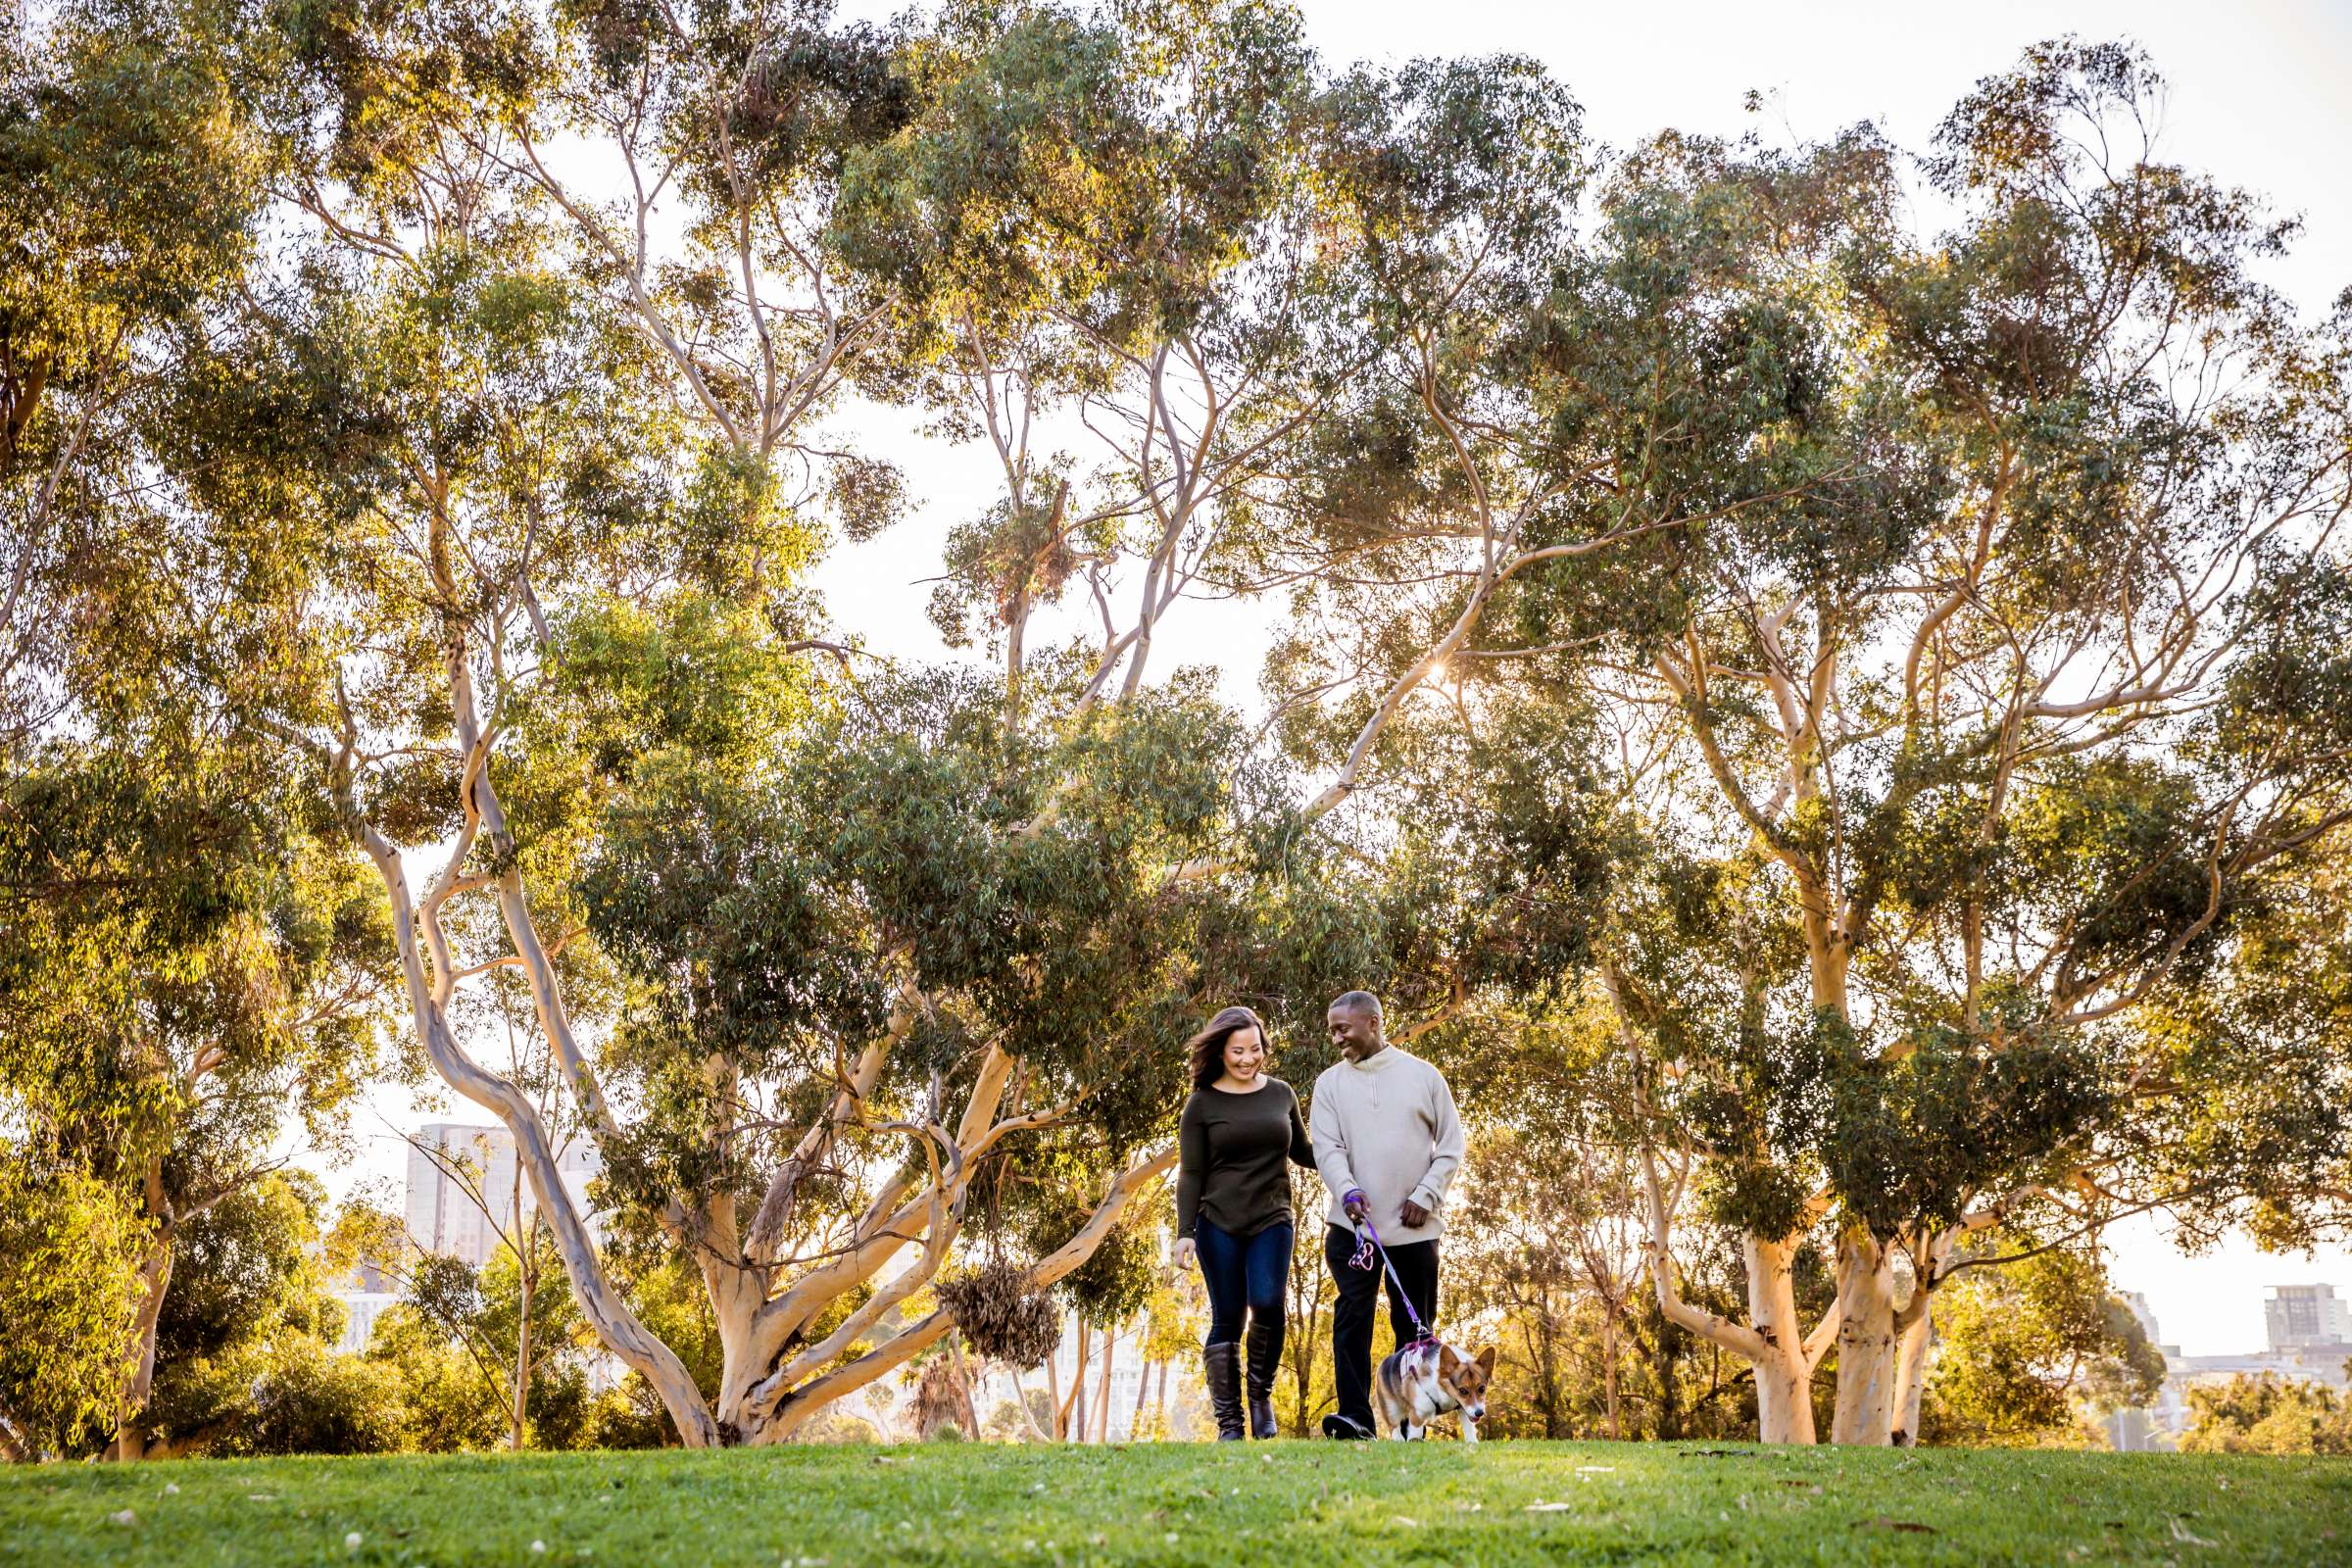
(1547, 1507)
(126, 1517)
(1596, 1469)
(2182, 1534)
(1882, 1522)
(1400, 1519)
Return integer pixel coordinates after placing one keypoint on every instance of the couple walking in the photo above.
(1386, 1141)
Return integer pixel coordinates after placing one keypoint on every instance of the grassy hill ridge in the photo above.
(1300, 1504)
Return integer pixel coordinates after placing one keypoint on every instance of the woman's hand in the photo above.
(1186, 1254)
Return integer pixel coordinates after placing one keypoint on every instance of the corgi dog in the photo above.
(1421, 1382)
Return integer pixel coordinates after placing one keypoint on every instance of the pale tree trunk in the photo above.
(1112, 1350)
(1110, 1356)
(1053, 1403)
(1771, 1340)
(523, 1269)
(1917, 1336)
(415, 925)
(1020, 1396)
(797, 1404)
(1160, 1405)
(1784, 1368)
(1077, 1420)
(155, 1275)
(967, 1409)
(615, 1326)
(1866, 1334)
(1608, 1368)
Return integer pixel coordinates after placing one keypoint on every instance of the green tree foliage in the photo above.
(70, 1249)
(109, 272)
(2268, 1415)
(2028, 1348)
(184, 957)
(460, 1333)
(447, 1402)
(244, 1353)
(185, 968)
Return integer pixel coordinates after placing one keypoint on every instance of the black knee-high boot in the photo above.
(1223, 1361)
(1265, 1359)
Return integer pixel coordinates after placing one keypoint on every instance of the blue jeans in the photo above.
(1244, 1273)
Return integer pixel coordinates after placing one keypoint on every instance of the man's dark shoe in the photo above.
(1265, 1359)
(1223, 1362)
(1341, 1429)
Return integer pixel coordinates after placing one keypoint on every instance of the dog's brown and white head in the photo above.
(1464, 1379)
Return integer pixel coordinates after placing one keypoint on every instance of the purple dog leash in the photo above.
(1366, 1246)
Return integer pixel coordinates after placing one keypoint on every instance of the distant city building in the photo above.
(2156, 1428)
(443, 1215)
(2310, 1341)
(2303, 1316)
(360, 1309)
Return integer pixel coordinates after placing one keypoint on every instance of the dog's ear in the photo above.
(1485, 1361)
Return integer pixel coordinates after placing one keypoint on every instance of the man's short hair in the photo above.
(1358, 1002)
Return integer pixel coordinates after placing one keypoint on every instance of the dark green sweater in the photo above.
(1233, 1151)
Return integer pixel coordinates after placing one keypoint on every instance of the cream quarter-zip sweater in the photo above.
(1386, 1124)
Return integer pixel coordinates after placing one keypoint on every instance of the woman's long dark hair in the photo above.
(1208, 1048)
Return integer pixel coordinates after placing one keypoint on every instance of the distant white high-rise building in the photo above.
(2301, 1315)
(444, 1214)
(360, 1309)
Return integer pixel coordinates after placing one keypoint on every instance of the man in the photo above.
(1387, 1141)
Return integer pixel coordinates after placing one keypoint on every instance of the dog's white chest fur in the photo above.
(1426, 1396)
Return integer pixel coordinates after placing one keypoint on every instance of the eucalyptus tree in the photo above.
(107, 273)
(884, 939)
(1550, 401)
(1541, 397)
(183, 965)
(1986, 686)
(2023, 760)
(1101, 228)
(692, 156)
(2022, 737)
(816, 952)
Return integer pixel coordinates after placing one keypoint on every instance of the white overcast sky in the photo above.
(2259, 98)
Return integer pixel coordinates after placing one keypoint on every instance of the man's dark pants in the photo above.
(1359, 1297)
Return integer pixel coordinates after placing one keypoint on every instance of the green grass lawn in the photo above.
(1285, 1502)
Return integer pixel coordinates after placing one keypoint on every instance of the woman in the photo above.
(1233, 1207)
